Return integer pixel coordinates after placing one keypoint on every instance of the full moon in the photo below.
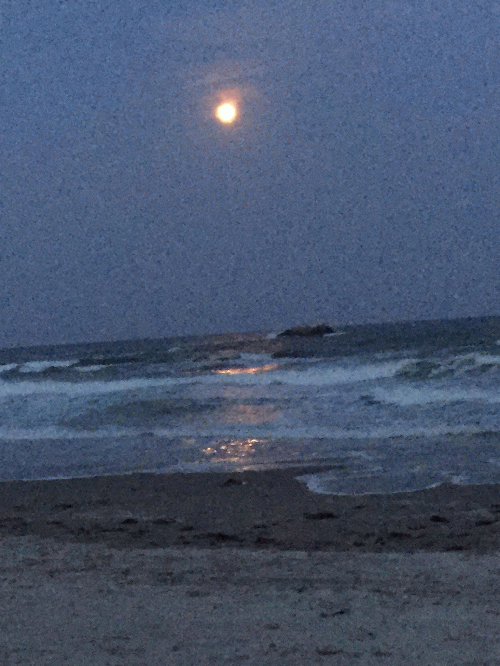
(226, 112)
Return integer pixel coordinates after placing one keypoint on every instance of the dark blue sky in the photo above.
(359, 183)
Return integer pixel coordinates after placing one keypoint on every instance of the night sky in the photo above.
(359, 182)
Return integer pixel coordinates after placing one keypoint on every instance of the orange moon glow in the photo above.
(226, 112)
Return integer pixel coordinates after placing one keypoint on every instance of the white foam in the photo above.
(473, 356)
(60, 433)
(405, 396)
(238, 431)
(84, 388)
(472, 360)
(316, 483)
(8, 366)
(318, 375)
(327, 484)
(304, 433)
(40, 366)
(264, 375)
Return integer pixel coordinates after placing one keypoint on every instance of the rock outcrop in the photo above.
(316, 329)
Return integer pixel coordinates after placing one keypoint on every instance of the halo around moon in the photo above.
(225, 102)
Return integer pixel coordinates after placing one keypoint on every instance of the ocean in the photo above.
(385, 407)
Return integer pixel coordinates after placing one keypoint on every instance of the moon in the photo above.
(226, 112)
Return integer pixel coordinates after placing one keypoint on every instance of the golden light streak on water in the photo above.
(248, 371)
(232, 449)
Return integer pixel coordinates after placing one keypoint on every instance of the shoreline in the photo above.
(266, 509)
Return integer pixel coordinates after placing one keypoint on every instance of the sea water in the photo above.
(381, 408)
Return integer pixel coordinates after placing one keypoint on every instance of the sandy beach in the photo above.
(246, 568)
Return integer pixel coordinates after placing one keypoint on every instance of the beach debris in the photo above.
(435, 518)
(234, 482)
(320, 515)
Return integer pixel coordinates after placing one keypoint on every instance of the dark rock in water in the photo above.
(317, 329)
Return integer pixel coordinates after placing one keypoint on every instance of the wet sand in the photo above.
(246, 568)
(262, 510)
